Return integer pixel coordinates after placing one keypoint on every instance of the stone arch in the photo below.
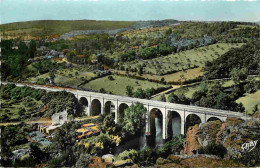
(173, 124)
(156, 122)
(191, 120)
(83, 105)
(213, 119)
(95, 107)
(109, 108)
(121, 111)
(83, 101)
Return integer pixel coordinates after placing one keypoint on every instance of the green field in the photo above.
(173, 77)
(51, 27)
(249, 101)
(183, 60)
(118, 85)
(189, 90)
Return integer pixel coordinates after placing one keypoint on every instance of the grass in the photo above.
(189, 90)
(249, 101)
(53, 27)
(184, 60)
(173, 77)
(118, 85)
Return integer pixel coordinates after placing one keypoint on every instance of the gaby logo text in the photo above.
(247, 147)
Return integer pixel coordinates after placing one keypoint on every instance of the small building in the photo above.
(59, 118)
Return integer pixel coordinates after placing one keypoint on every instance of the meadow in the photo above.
(118, 84)
(249, 101)
(173, 77)
(183, 60)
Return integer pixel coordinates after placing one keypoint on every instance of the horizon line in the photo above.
(128, 20)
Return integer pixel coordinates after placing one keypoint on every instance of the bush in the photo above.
(129, 154)
(147, 157)
(213, 149)
(172, 146)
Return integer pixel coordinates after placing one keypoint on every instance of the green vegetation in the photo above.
(71, 77)
(53, 27)
(118, 84)
(20, 103)
(26, 103)
(181, 61)
(132, 121)
(250, 101)
(214, 149)
(248, 56)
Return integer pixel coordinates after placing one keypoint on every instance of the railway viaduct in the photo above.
(99, 103)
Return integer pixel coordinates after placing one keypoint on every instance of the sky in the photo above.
(129, 10)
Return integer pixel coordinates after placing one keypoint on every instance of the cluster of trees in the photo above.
(13, 61)
(248, 56)
(184, 44)
(199, 29)
(70, 153)
(59, 101)
(130, 124)
(216, 97)
(55, 102)
(11, 137)
(140, 93)
(149, 156)
(23, 95)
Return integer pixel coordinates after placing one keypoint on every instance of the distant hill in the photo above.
(258, 23)
(59, 27)
(51, 27)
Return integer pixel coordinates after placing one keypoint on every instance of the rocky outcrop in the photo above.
(257, 115)
(231, 134)
(192, 141)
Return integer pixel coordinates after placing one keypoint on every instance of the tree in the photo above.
(129, 91)
(110, 77)
(204, 85)
(163, 98)
(139, 93)
(238, 75)
(140, 69)
(65, 137)
(52, 76)
(147, 157)
(133, 118)
(32, 48)
(37, 154)
(169, 31)
(181, 99)
(83, 161)
(107, 123)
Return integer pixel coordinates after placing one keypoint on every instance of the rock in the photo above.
(108, 158)
(192, 143)
(257, 115)
(231, 134)
(161, 161)
(175, 159)
(123, 163)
